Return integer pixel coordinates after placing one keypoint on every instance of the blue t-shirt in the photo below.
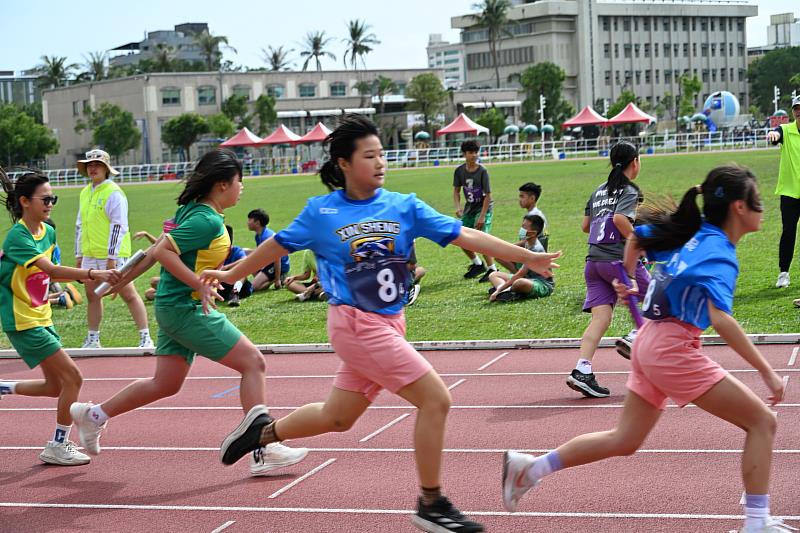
(362, 245)
(704, 269)
(265, 234)
(235, 254)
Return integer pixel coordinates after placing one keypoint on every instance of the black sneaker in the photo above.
(509, 296)
(492, 290)
(624, 344)
(474, 271)
(586, 384)
(443, 517)
(246, 437)
(234, 301)
(486, 275)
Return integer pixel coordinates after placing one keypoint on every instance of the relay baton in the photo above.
(632, 300)
(134, 260)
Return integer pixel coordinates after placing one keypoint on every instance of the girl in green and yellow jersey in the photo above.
(26, 268)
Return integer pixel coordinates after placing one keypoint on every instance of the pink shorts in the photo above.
(667, 362)
(374, 351)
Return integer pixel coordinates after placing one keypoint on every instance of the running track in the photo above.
(160, 468)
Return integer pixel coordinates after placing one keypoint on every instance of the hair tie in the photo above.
(617, 165)
(719, 192)
(699, 189)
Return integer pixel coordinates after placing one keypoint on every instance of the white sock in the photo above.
(238, 286)
(756, 510)
(492, 267)
(8, 387)
(477, 260)
(584, 366)
(97, 415)
(62, 433)
(144, 331)
(94, 334)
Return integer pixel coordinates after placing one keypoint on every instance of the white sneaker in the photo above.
(413, 294)
(90, 342)
(274, 456)
(64, 454)
(88, 431)
(145, 341)
(515, 478)
(302, 297)
(783, 280)
(624, 344)
(773, 525)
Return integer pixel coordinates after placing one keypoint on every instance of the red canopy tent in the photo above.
(245, 137)
(629, 115)
(587, 117)
(318, 134)
(462, 124)
(282, 135)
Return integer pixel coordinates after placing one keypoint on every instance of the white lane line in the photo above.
(493, 361)
(387, 426)
(224, 526)
(793, 357)
(640, 516)
(301, 478)
(456, 384)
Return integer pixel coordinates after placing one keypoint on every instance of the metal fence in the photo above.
(451, 154)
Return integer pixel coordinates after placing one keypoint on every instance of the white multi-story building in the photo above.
(181, 41)
(19, 88)
(783, 31)
(449, 57)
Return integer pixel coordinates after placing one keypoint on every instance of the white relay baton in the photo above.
(134, 260)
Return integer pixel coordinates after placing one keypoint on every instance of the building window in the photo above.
(85, 106)
(655, 49)
(275, 91)
(636, 49)
(704, 49)
(714, 75)
(616, 49)
(628, 76)
(401, 87)
(616, 77)
(308, 90)
(646, 24)
(242, 90)
(635, 23)
(730, 49)
(626, 24)
(741, 49)
(606, 24)
(666, 49)
(606, 50)
(713, 25)
(667, 76)
(76, 108)
(742, 74)
(206, 95)
(723, 74)
(703, 24)
(740, 25)
(685, 23)
(665, 22)
(658, 76)
(675, 50)
(616, 27)
(628, 50)
(705, 75)
(338, 89)
(647, 76)
(646, 49)
(694, 49)
(170, 96)
(638, 77)
(608, 77)
(731, 73)
(685, 49)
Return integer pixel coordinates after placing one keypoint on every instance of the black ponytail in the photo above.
(674, 225)
(341, 144)
(25, 186)
(622, 154)
(219, 164)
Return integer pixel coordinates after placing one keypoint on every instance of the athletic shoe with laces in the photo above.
(234, 300)
(65, 300)
(90, 342)
(509, 296)
(772, 525)
(413, 294)
(624, 344)
(586, 384)
(485, 277)
(64, 454)
(515, 478)
(246, 437)
(88, 430)
(70, 289)
(145, 341)
(783, 280)
(474, 271)
(274, 456)
(442, 517)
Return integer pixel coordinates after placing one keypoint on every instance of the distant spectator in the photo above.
(306, 284)
(240, 289)
(275, 273)
(524, 283)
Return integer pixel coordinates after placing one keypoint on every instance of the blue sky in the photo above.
(74, 28)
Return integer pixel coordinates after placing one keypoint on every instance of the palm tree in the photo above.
(164, 57)
(383, 86)
(96, 66)
(364, 89)
(53, 71)
(315, 48)
(277, 58)
(358, 43)
(494, 17)
(209, 47)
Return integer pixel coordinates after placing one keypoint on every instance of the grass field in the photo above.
(449, 306)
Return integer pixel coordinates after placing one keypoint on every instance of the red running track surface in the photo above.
(160, 470)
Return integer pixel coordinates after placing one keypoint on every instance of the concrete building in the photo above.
(449, 57)
(303, 99)
(606, 46)
(181, 40)
(19, 88)
(783, 31)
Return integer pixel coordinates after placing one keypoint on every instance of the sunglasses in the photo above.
(47, 200)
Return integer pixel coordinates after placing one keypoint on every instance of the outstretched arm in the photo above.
(483, 243)
(267, 252)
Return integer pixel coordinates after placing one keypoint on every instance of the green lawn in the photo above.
(449, 306)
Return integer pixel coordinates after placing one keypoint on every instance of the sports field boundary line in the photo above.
(312, 510)
(486, 344)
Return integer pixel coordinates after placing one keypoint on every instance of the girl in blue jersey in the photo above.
(362, 235)
(692, 288)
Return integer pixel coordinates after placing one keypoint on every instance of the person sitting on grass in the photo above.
(524, 283)
(66, 296)
(275, 273)
(306, 285)
(417, 273)
(240, 289)
(169, 225)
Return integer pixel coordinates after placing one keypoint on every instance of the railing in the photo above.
(450, 155)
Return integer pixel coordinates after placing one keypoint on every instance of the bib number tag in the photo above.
(655, 305)
(603, 230)
(377, 283)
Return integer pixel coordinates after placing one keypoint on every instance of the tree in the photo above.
(775, 68)
(494, 17)
(220, 126)
(163, 59)
(383, 87)
(625, 98)
(277, 58)
(315, 48)
(690, 87)
(429, 97)
(264, 110)
(183, 131)
(54, 71)
(364, 89)
(209, 47)
(96, 66)
(235, 108)
(358, 42)
(795, 82)
(22, 139)
(113, 129)
(545, 79)
(493, 119)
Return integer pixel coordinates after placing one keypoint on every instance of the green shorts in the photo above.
(468, 220)
(186, 331)
(36, 344)
(540, 289)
